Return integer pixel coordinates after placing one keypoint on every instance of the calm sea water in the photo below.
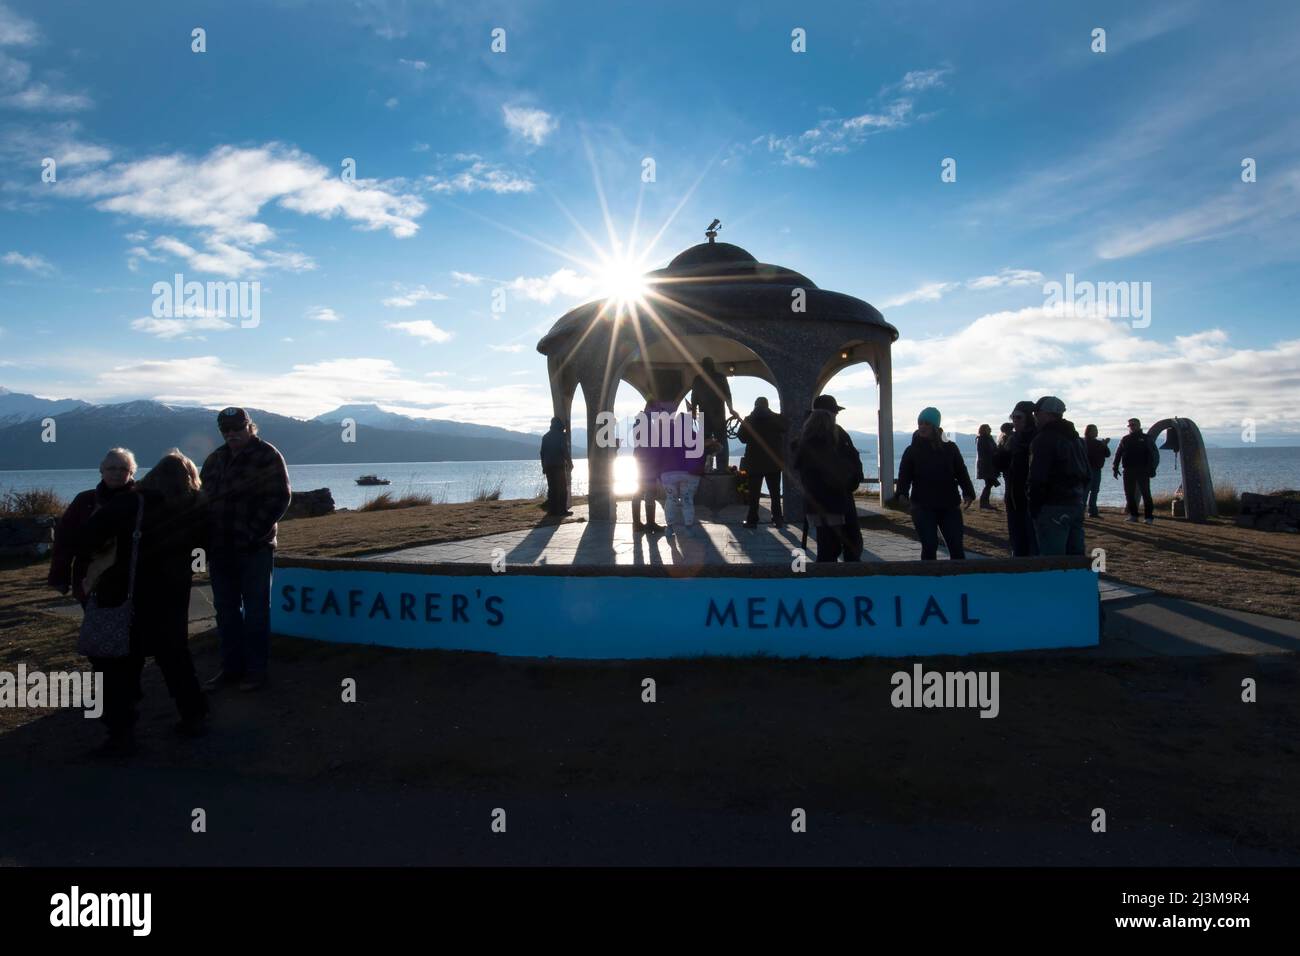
(1248, 469)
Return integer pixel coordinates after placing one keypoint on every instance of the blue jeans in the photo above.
(1094, 489)
(1060, 529)
(241, 594)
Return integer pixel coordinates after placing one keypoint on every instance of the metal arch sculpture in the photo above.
(1186, 443)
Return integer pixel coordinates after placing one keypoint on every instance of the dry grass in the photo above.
(30, 503)
(1226, 497)
(385, 501)
(486, 489)
(1215, 563)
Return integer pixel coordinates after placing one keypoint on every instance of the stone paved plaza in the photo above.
(717, 538)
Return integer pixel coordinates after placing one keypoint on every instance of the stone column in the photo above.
(599, 396)
(885, 422)
(797, 386)
(563, 385)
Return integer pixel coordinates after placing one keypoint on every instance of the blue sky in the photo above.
(477, 171)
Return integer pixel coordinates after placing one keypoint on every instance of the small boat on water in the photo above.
(373, 480)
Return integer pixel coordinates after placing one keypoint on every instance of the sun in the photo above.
(622, 281)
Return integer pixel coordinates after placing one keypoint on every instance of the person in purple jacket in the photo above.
(681, 463)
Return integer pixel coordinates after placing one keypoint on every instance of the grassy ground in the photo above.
(1161, 741)
(1215, 563)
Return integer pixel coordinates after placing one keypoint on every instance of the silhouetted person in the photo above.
(646, 455)
(172, 523)
(1013, 462)
(763, 432)
(68, 566)
(246, 489)
(1098, 452)
(711, 400)
(557, 462)
(681, 462)
(1058, 480)
(853, 546)
(985, 469)
(932, 474)
(1139, 458)
(828, 475)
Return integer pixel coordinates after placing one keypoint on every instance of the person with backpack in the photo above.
(827, 472)
(853, 545)
(1012, 461)
(930, 476)
(986, 450)
(1140, 458)
(1098, 452)
(1058, 480)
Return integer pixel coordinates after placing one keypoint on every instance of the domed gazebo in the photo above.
(752, 318)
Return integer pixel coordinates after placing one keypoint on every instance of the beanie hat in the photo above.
(930, 415)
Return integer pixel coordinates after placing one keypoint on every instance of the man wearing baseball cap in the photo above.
(246, 487)
(1058, 480)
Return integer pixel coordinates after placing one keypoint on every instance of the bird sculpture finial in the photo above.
(712, 231)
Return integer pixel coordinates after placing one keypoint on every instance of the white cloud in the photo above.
(34, 263)
(61, 141)
(223, 194)
(391, 103)
(173, 328)
(478, 176)
(1007, 277)
(507, 348)
(1102, 368)
(39, 98)
(929, 292)
(934, 291)
(407, 297)
(530, 124)
(466, 278)
(418, 65)
(839, 135)
(16, 30)
(563, 282)
(321, 313)
(422, 329)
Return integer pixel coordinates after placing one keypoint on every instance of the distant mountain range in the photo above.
(83, 432)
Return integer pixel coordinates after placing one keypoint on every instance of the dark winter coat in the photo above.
(1013, 462)
(763, 432)
(169, 533)
(555, 450)
(1136, 453)
(986, 450)
(68, 565)
(1058, 467)
(931, 473)
(828, 474)
(1098, 452)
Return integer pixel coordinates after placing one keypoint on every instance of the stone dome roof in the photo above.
(725, 281)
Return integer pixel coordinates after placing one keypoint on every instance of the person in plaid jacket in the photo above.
(246, 490)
